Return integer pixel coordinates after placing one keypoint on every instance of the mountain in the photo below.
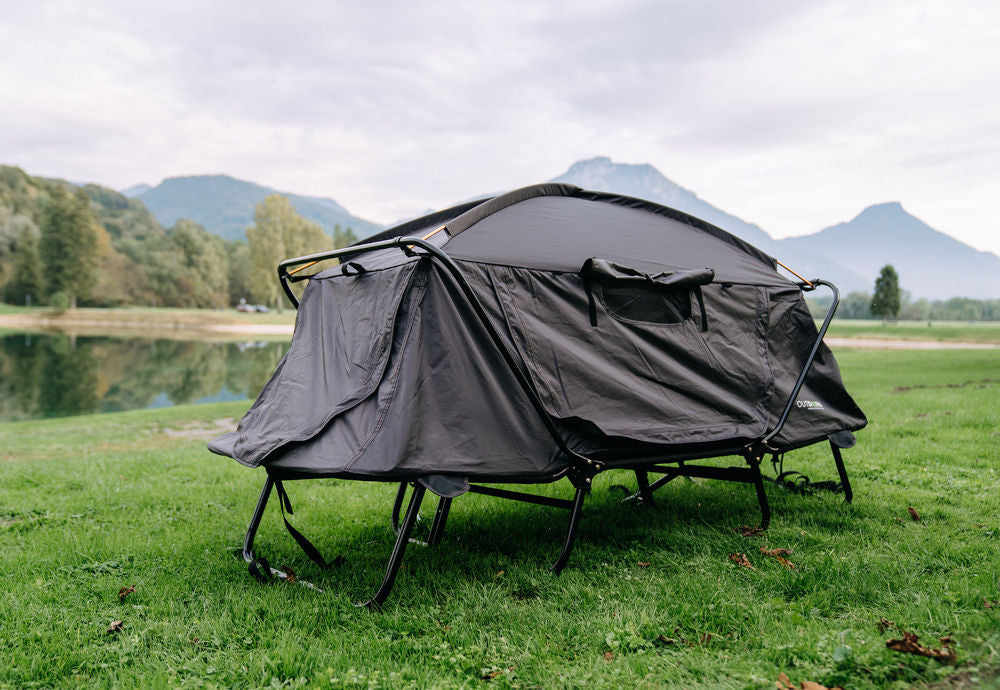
(136, 190)
(929, 263)
(225, 205)
(646, 182)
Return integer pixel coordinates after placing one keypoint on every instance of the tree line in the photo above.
(63, 245)
(890, 301)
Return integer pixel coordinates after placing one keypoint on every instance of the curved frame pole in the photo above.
(258, 513)
(396, 559)
(809, 360)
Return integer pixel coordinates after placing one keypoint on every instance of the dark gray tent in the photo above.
(549, 332)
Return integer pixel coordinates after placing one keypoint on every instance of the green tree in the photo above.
(25, 283)
(343, 238)
(278, 233)
(69, 244)
(886, 300)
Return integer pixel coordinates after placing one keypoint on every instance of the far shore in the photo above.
(228, 324)
(194, 323)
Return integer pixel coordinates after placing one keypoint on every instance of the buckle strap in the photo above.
(305, 544)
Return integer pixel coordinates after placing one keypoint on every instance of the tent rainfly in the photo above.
(547, 333)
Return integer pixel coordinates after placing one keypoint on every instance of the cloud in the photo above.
(792, 115)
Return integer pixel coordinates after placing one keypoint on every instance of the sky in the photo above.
(792, 115)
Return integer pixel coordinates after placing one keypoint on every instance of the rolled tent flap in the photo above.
(602, 269)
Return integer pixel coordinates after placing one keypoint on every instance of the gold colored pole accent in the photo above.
(794, 273)
(431, 234)
(303, 267)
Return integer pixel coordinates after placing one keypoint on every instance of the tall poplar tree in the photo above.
(885, 301)
(68, 245)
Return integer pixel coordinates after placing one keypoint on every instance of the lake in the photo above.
(57, 375)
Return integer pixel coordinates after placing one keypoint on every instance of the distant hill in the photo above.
(224, 205)
(646, 182)
(930, 263)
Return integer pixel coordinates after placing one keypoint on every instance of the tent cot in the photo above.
(547, 333)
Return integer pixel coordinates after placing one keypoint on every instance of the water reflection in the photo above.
(55, 375)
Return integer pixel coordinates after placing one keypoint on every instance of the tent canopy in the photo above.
(639, 328)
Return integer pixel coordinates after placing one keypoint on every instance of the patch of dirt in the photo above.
(887, 344)
(199, 430)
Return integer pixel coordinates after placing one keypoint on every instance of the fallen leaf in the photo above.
(988, 604)
(776, 552)
(741, 559)
(909, 644)
(289, 574)
(913, 514)
(643, 564)
(609, 656)
(748, 531)
(116, 626)
(784, 684)
(884, 624)
(493, 674)
(664, 640)
(706, 638)
(499, 574)
(785, 562)
(124, 592)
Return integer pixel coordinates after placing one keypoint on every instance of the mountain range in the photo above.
(930, 263)
(224, 205)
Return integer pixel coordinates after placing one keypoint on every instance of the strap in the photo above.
(306, 545)
(701, 305)
(591, 305)
(260, 569)
(352, 268)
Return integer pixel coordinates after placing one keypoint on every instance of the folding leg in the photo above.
(765, 507)
(396, 559)
(644, 493)
(440, 518)
(574, 521)
(258, 513)
(397, 506)
(845, 483)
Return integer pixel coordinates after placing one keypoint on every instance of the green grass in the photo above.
(984, 332)
(92, 504)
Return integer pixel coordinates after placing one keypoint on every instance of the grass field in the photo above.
(650, 598)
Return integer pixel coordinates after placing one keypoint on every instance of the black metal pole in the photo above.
(808, 363)
(258, 513)
(396, 559)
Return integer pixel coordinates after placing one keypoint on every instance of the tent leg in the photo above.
(644, 493)
(440, 518)
(845, 483)
(574, 521)
(397, 505)
(396, 559)
(765, 507)
(258, 513)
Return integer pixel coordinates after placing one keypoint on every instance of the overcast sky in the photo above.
(792, 115)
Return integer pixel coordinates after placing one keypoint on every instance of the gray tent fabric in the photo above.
(638, 326)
